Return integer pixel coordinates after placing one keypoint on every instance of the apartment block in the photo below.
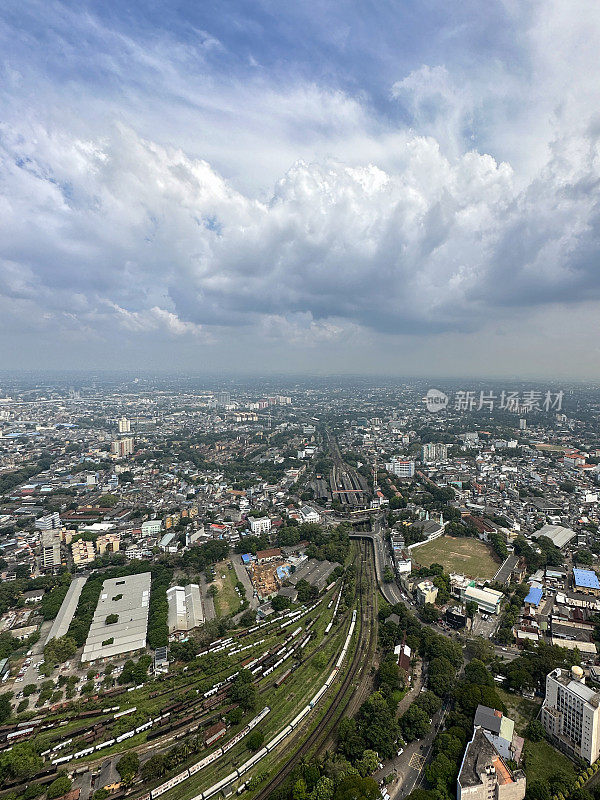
(571, 714)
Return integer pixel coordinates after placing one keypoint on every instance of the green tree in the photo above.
(299, 791)
(57, 651)
(535, 731)
(367, 764)
(414, 723)
(429, 613)
(21, 762)
(353, 787)
(5, 707)
(128, 765)
(471, 608)
(154, 768)
(255, 739)
(538, 790)
(58, 787)
(324, 789)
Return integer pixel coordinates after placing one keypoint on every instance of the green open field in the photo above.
(470, 557)
(227, 600)
(542, 761)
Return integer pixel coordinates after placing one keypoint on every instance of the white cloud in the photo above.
(376, 227)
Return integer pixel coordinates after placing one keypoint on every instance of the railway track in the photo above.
(199, 723)
(322, 734)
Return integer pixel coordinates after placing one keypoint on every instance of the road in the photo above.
(208, 603)
(242, 575)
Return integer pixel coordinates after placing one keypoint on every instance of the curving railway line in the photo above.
(354, 681)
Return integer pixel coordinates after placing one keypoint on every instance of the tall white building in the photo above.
(124, 425)
(49, 522)
(434, 451)
(403, 468)
(571, 714)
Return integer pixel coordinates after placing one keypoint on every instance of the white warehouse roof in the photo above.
(129, 599)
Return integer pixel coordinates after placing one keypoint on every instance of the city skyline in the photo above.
(298, 189)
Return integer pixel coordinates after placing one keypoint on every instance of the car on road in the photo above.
(399, 753)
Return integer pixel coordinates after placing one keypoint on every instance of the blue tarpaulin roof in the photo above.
(586, 578)
(534, 597)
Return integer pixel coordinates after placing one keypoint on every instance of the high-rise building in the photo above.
(223, 398)
(51, 555)
(121, 448)
(433, 451)
(571, 714)
(124, 425)
(49, 522)
(403, 468)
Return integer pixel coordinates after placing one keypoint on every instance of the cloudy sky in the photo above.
(399, 187)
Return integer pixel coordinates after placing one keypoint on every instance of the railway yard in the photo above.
(305, 665)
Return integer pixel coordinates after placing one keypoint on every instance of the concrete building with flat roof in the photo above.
(571, 714)
(51, 554)
(485, 775)
(83, 552)
(185, 608)
(128, 599)
(487, 600)
(426, 592)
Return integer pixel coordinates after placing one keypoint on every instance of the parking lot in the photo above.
(484, 625)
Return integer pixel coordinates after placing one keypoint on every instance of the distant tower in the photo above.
(375, 475)
(124, 425)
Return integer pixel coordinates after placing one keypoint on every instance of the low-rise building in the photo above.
(83, 552)
(185, 608)
(488, 600)
(272, 554)
(128, 600)
(586, 581)
(426, 592)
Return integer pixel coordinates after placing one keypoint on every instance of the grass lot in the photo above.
(470, 557)
(542, 761)
(227, 600)
(521, 710)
